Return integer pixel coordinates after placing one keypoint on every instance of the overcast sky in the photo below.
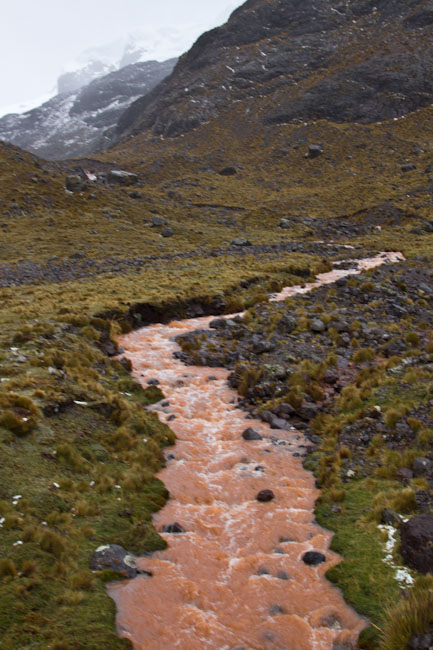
(40, 37)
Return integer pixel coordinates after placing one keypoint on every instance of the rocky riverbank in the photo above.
(351, 365)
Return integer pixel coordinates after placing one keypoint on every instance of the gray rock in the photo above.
(285, 224)
(318, 325)
(240, 241)
(114, 558)
(74, 183)
(158, 221)
(314, 150)
(421, 642)
(391, 518)
(278, 423)
(308, 411)
(330, 377)
(167, 232)
(122, 177)
(408, 168)
(422, 467)
(287, 324)
(249, 434)
(218, 323)
(404, 474)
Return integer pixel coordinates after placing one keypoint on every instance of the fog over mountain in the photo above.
(42, 42)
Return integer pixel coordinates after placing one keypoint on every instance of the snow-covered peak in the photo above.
(141, 45)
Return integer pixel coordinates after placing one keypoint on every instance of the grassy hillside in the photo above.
(72, 268)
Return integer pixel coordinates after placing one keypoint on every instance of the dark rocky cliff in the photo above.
(359, 60)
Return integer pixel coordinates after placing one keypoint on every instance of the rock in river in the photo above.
(250, 434)
(265, 495)
(313, 558)
(114, 558)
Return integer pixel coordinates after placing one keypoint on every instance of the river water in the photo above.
(235, 580)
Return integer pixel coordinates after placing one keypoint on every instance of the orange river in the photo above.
(235, 579)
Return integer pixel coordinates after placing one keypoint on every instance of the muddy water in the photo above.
(235, 579)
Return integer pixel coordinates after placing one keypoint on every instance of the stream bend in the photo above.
(235, 579)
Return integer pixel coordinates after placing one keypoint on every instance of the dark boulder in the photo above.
(168, 232)
(308, 411)
(114, 558)
(228, 171)
(313, 558)
(218, 323)
(74, 183)
(250, 434)
(390, 518)
(417, 543)
(265, 495)
(422, 467)
(314, 151)
(240, 241)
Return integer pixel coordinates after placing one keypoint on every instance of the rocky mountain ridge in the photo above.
(73, 124)
(357, 61)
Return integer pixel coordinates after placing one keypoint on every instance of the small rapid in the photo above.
(234, 580)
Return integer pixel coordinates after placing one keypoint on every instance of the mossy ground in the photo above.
(49, 338)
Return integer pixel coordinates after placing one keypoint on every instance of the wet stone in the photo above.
(275, 610)
(262, 571)
(249, 434)
(265, 496)
(173, 528)
(313, 558)
(282, 575)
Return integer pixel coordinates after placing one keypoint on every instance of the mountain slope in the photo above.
(72, 124)
(358, 61)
